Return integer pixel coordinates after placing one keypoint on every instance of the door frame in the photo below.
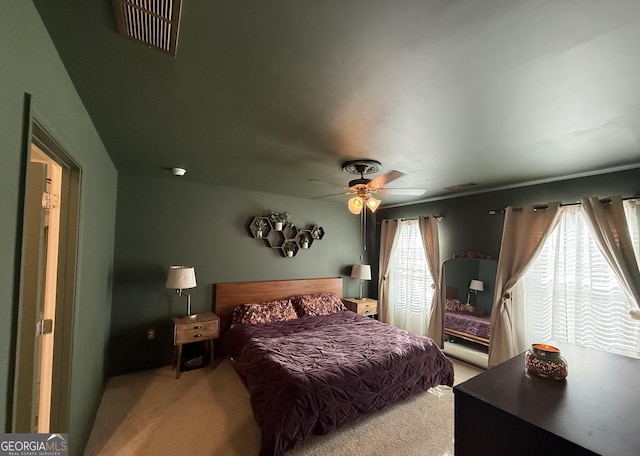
(34, 132)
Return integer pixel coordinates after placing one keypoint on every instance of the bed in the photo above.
(462, 323)
(321, 369)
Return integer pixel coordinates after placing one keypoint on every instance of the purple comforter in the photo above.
(467, 323)
(314, 374)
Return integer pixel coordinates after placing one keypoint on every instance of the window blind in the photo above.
(572, 294)
(411, 284)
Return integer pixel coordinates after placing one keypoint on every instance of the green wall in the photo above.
(161, 222)
(468, 226)
(30, 64)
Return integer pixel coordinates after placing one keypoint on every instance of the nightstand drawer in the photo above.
(364, 306)
(185, 333)
(368, 310)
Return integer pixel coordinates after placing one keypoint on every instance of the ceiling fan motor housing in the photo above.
(359, 182)
(364, 187)
(362, 167)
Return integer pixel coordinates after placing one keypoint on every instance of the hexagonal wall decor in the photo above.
(304, 239)
(317, 232)
(260, 227)
(289, 241)
(275, 239)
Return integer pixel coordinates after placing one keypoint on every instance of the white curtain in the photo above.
(608, 224)
(431, 243)
(411, 287)
(388, 237)
(522, 237)
(572, 293)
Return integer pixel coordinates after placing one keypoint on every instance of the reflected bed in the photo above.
(460, 322)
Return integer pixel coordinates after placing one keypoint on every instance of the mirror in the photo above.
(468, 285)
(459, 271)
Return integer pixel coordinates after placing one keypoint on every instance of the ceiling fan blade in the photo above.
(333, 194)
(401, 191)
(380, 181)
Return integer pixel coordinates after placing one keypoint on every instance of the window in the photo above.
(572, 294)
(411, 285)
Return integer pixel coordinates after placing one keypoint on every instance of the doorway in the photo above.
(47, 284)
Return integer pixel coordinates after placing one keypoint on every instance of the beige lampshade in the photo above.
(181, 277)
(361, 271)
(476, 285)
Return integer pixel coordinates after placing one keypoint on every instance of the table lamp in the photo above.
(475, 286)
(362, 272)
(181, 278)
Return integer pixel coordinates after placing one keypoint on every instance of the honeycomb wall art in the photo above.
(289, 240)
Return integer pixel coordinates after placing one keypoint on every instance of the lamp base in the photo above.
(189, 314)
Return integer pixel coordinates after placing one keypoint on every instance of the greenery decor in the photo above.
(290, 246)
(304, 239)
(283, 217)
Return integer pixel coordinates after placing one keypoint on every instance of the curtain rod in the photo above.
(438, 217)
(545, 206)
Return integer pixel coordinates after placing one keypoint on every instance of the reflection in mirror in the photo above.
(473, 280)
(468, 285)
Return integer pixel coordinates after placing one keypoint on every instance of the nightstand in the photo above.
(477, 311)
(200, 327)
(364, 306)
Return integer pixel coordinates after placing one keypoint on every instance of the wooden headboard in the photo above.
(228, 295)
(451, 293)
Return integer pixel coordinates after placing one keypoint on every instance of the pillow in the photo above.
(317, 304)
(263, 312)
(453, 305)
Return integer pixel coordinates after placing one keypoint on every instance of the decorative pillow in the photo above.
(453, 305)
(317, 304)
(263, 312)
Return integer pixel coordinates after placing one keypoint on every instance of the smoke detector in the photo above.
(179, 171)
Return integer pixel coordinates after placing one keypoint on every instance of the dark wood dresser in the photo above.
(595, 410)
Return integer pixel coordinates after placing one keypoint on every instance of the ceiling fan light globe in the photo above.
(373, 204)
(355, 205)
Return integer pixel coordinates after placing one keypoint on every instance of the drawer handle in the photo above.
(197, 327)
(197, 335)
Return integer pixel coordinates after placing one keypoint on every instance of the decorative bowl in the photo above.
(545, 361)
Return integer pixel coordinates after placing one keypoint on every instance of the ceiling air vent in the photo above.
(459, 186)
(154, 23)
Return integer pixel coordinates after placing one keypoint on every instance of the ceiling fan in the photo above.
(364, 188)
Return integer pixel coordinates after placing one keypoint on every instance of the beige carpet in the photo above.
(207, 413)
